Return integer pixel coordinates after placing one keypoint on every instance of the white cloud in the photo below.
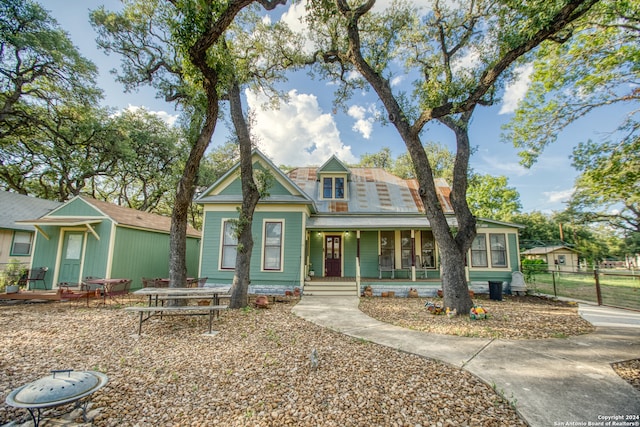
(516, 90)
(298, 133)
(469, 61)
(365, 117)
(396, 80)
(496, 165)
(294, 18)
(170, 119)
(558, 196)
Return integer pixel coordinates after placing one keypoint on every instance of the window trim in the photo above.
(333, 178)
(222, 266)
(266, 221)
(486, 254)
(505, 251)
(12, 251)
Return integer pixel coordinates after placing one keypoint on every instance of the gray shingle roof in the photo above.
(15, 207)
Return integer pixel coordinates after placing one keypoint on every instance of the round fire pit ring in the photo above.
(59, 388)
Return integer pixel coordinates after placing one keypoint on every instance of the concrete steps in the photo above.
(319, 288)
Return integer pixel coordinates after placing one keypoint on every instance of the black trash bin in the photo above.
(495, 291)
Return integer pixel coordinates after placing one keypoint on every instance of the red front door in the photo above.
(333, 261)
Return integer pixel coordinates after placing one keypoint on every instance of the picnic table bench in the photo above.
(157, 296)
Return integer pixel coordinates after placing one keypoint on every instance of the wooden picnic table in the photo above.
(157, 297)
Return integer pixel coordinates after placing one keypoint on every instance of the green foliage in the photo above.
(595, 68)
(13, 271)
(531, 267)
(491, 197)
(607, 188)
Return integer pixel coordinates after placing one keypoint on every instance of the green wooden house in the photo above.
(334, 229)
(87, 237)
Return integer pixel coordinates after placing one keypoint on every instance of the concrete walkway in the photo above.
(552, 382)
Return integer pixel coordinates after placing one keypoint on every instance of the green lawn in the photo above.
(616, 290)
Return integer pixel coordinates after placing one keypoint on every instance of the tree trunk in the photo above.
(184, 197)
(250, 197)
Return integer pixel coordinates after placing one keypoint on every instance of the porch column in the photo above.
(358, 261)
(413, 255)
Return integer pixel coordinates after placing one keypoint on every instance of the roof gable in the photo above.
(228, 189)
(333, 165)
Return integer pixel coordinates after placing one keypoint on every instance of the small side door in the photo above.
(333, 257)
(71, 260)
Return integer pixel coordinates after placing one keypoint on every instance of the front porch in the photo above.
(348, 286)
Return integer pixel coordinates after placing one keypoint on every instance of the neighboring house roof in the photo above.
(119, 214)
(16, 207)
(544, 250)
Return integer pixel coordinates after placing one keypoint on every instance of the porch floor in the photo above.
(374, 279)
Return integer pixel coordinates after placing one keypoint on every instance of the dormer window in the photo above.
(333, 187)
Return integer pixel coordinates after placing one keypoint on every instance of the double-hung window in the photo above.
(498, 250)
(479, 251)
(407, 248)
(229, 246)
(333, 188)
(21, 243)
(272, 246)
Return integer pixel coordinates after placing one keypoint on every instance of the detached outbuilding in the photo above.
(87, 237)
(559, 258)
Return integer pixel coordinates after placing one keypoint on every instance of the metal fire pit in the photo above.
(59, 388)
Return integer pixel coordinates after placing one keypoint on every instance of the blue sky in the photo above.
(308, 132)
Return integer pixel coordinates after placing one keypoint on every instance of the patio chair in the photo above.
(34, 276)
(385, 263)
(116, 291)
(91, 286)
(420, 266)
(148, 282)
(74, 292)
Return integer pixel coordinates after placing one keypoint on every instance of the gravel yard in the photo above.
(255, 372)
(515, 317)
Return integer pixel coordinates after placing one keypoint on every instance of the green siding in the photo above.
(234, 188)
(140, 253)
(44, 252)
(95, 256)
(77, 207)
(292, 254)
(316, 253)
(483, 276)
(369, 254)
(276, 188)
(514, 258)
(333, 165)
(350, 252)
